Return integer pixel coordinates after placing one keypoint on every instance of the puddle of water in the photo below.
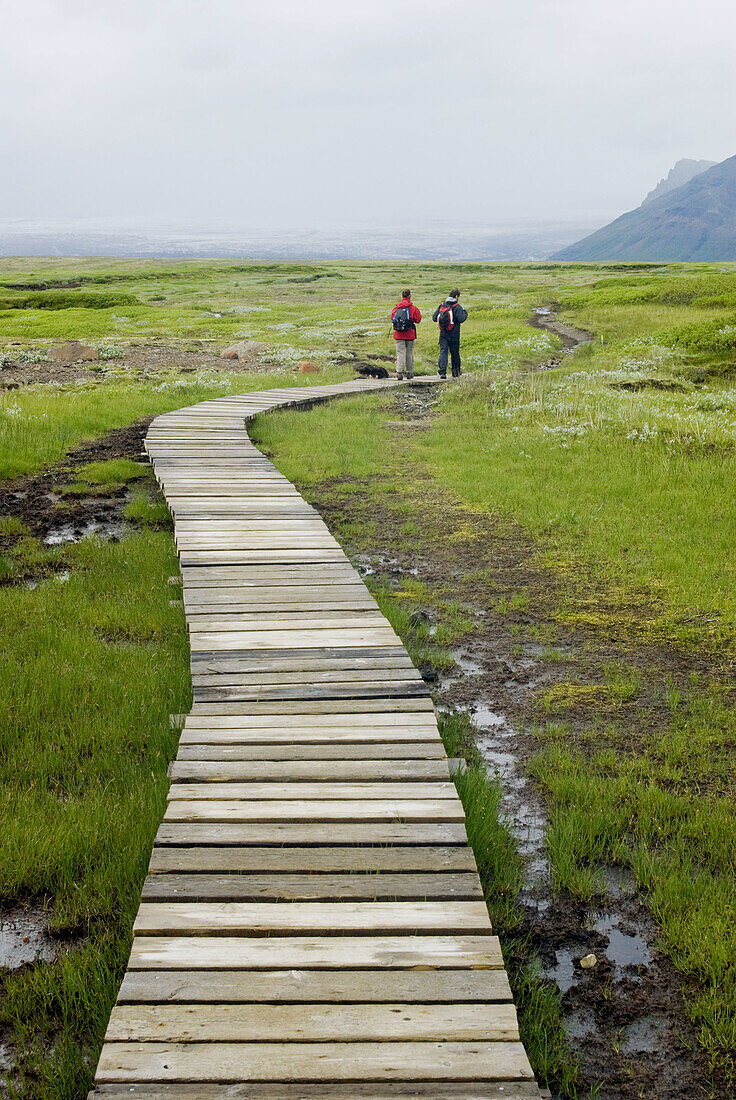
(466, 664)
(624, 949)
(564, 972)
(369, 566)
(70, 532)
(25, 938)
(526, 820)
(645, 1035)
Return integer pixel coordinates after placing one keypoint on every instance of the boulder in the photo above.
(73, 352)
(243, 349)
(308, 367)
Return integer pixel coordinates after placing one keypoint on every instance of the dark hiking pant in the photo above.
(452, 347)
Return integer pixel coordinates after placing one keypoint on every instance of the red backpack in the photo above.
(446, 320)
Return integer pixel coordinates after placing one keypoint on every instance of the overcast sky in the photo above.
(319, 112)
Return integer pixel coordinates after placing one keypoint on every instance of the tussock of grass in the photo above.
(149, 513)
(113, 471)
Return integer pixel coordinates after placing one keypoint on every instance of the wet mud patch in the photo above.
(503, 664)
(42, 512)
(25, 937)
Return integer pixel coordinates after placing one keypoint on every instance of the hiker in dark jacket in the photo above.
(450, 315)
(405, 317)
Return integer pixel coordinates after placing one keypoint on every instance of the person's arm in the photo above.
(460, 313)
(393, 312)
(416, 315)
(436, 313)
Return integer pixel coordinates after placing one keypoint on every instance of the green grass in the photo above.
(618, 466)
(83, 773)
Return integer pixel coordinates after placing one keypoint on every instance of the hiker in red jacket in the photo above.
(405, 317)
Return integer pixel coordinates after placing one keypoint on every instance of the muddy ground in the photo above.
(52, 513)
(625, 1016)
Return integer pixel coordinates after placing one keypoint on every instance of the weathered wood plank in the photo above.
(387, 1090)
(346, 771)
(223, 790)
(300, 986)
(221, 1062)
(317, 833)
(357, 810)
(314, 952)
(309, 918)
(311, 887)
(402, 752)
(197, 1023)
(335, 858)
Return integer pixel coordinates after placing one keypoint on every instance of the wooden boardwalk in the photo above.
(312, 924)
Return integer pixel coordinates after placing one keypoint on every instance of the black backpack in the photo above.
(402, 321)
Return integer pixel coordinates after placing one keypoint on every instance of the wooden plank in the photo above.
(278, 639)
(407, 689)
(314, 952)
(392, 771)
(309, 918)
(198, 1023)
(386, 675)
(311, 887)
(335, 858)
(259, 619)
(318, 833)
(419, 711)
(340, 572)
(294, 790)
(357, 810)
(386, 1090)
(402, 752)
(288, 735)
(300, 986)
(239, 1062)
(393, 718)
(306, 986)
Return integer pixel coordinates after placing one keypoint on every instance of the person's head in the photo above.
(406, 293)
(454, 294)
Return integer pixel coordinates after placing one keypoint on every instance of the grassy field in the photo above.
(616, 468)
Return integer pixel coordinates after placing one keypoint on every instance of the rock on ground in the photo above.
(243, 350)
(73, 352)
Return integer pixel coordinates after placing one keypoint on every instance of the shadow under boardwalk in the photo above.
(312, 924)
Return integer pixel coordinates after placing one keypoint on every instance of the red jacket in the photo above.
(414, 314)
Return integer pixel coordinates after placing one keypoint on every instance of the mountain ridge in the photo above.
(693, 222)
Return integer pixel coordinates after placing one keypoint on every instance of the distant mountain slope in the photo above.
(694, 222)
(682, 173)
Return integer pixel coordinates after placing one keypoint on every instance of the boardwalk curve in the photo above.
(312, 924)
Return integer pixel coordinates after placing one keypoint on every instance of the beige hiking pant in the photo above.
(404, 358)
